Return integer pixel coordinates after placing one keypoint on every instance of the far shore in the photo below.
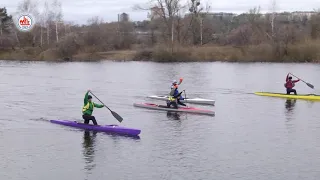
(260, 53)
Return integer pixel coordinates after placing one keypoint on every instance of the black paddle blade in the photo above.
(117, 116)
(310, 85)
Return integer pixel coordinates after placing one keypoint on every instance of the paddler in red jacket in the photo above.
(290, 84)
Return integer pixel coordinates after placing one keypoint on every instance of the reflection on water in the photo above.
(116, 137)
(290, 103)
(88, 149)
(173, 115)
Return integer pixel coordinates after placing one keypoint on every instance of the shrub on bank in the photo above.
(309, 51)
(306, 51)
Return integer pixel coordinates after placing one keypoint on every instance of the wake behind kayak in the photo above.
(180, 109)
(99, 128)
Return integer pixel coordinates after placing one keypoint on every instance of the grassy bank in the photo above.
(307, 51)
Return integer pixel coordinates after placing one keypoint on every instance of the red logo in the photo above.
(25, 23)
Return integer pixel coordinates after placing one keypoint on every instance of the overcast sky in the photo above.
(79, 11)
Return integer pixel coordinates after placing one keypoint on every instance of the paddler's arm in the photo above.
(181, 79)
(86, 97)
(287, 77)
(98, 105)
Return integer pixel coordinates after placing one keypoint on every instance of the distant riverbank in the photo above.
(305, 52)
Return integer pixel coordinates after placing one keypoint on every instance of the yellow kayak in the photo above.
(290, 96)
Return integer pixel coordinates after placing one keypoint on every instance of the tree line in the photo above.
(176, 26)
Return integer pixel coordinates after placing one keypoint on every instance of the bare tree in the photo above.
(273, 11)
(168, 10)
(198, 13)
(57, 15)
(42, 25)
(48, 17)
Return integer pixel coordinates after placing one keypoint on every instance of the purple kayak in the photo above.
(104, 128)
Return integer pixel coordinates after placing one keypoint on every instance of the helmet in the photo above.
(290, 77)
(89, 97)
(174, 82)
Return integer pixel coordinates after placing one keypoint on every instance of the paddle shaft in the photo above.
(100, 101)
(298, 78)
(308, 84)
(116, 115)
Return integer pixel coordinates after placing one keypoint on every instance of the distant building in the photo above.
(155, 13)
(220, 15)
(124, 17)
(308, 14)
(291, 16)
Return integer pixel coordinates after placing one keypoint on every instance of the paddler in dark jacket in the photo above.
(88, 109)
(290, 84)
(174, 95)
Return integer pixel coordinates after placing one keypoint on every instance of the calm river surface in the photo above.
(250, 137)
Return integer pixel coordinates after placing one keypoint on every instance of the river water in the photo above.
(250, 137)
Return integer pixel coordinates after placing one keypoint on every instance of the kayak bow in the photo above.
(100, 128)
(180, 109)
(186, 100)
(290, 96)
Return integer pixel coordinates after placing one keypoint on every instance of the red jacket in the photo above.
(290, 83)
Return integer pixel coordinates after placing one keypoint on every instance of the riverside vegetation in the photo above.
(167, 36)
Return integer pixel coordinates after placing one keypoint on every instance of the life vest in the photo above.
(87, 106)
(289, 84)
(171, 98)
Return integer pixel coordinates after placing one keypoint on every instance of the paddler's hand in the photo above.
(181, 79)
(89, 90)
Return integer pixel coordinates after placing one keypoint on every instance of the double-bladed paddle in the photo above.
(308, 84)
(117, 116)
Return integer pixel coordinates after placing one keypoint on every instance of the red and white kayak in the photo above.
(180, 109)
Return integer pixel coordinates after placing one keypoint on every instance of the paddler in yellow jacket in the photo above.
(88, 109)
